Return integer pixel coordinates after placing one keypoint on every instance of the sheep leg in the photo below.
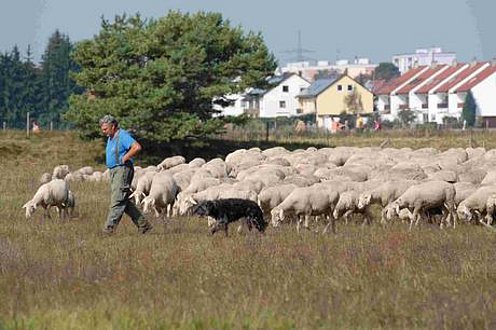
(368, 216)
(415, 217)
(306, 223)
(346, 216)
(332, 223)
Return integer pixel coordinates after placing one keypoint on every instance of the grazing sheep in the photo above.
(171, 162)
(348, 204)
(143, 186)
(477, 204)
(163, 192)
(317, 200)
(384, 194)
(270, 197)
(53, 193)
(424, 196)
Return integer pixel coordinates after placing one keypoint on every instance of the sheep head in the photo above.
(364, 200)
(277, 215)
(147, 203)
(30, 208)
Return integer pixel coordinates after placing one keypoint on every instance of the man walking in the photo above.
(120, 150)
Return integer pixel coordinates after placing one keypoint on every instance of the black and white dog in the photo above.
(228, 210)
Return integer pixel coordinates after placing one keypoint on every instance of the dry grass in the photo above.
(65, 275)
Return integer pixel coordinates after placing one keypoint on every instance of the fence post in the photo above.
(27, 124)
(51, 125)
(267, 131)
(4, 126)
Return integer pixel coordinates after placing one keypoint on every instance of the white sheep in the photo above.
(419, 198)
(304, 202)
(143, 186)
(53, 193)
(60, 171)
(384, 194)
(348, 204)
(270, 197)
(163, 192)
(171, 162)
(477, 204)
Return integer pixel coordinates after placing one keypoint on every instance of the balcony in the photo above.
(387, 107)
(425, 106)
(403, 106)
(442, 105)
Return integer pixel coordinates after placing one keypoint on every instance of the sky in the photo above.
(375, 29)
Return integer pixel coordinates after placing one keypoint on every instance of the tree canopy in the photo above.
(386, 71)
(160, 77)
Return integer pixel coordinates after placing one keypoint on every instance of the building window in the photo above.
(244, 104)
(340, 88)
(285, 88)
(282, 104)
(299, 110)
(350, 88)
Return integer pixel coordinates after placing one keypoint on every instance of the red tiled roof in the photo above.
(387, 88)
(420, 79)
(477, 79)
(438, 79)
(444, 88)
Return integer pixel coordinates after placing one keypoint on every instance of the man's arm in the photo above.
(133, 151)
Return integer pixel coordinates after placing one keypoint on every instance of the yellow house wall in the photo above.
(332, 102)
(307, 105)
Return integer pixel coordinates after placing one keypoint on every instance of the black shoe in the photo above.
(145, 228)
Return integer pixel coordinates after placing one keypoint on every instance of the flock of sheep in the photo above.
(310, 187)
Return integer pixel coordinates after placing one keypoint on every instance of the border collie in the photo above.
(228, 210)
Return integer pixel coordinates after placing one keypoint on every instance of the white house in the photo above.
(439, 91)
(423, 56)
(281, 100)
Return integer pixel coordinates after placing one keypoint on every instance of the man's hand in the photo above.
(133, 151)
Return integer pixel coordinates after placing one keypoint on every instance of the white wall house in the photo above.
(439, 91)
(423, 56)
(281, 100)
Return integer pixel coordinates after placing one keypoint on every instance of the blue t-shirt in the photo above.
(125, 142)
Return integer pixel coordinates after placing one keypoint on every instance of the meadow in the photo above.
(64, 274)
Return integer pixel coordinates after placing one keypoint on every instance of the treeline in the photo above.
(42, 89)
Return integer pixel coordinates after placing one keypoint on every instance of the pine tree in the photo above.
(469, 109)
(159, 77)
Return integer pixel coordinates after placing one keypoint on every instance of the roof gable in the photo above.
(481, 76)
(439, 79)
(390, 86)
(420, 79)
(444, 88)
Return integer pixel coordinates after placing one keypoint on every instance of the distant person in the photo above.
(377, 125)
(359, 123)
(120, 150)
(35, 127)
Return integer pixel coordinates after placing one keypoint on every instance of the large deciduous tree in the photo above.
(160, 77)
(386, 71)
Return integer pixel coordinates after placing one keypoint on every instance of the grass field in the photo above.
(65, 275)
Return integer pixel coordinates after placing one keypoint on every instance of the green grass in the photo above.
(65, 275)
